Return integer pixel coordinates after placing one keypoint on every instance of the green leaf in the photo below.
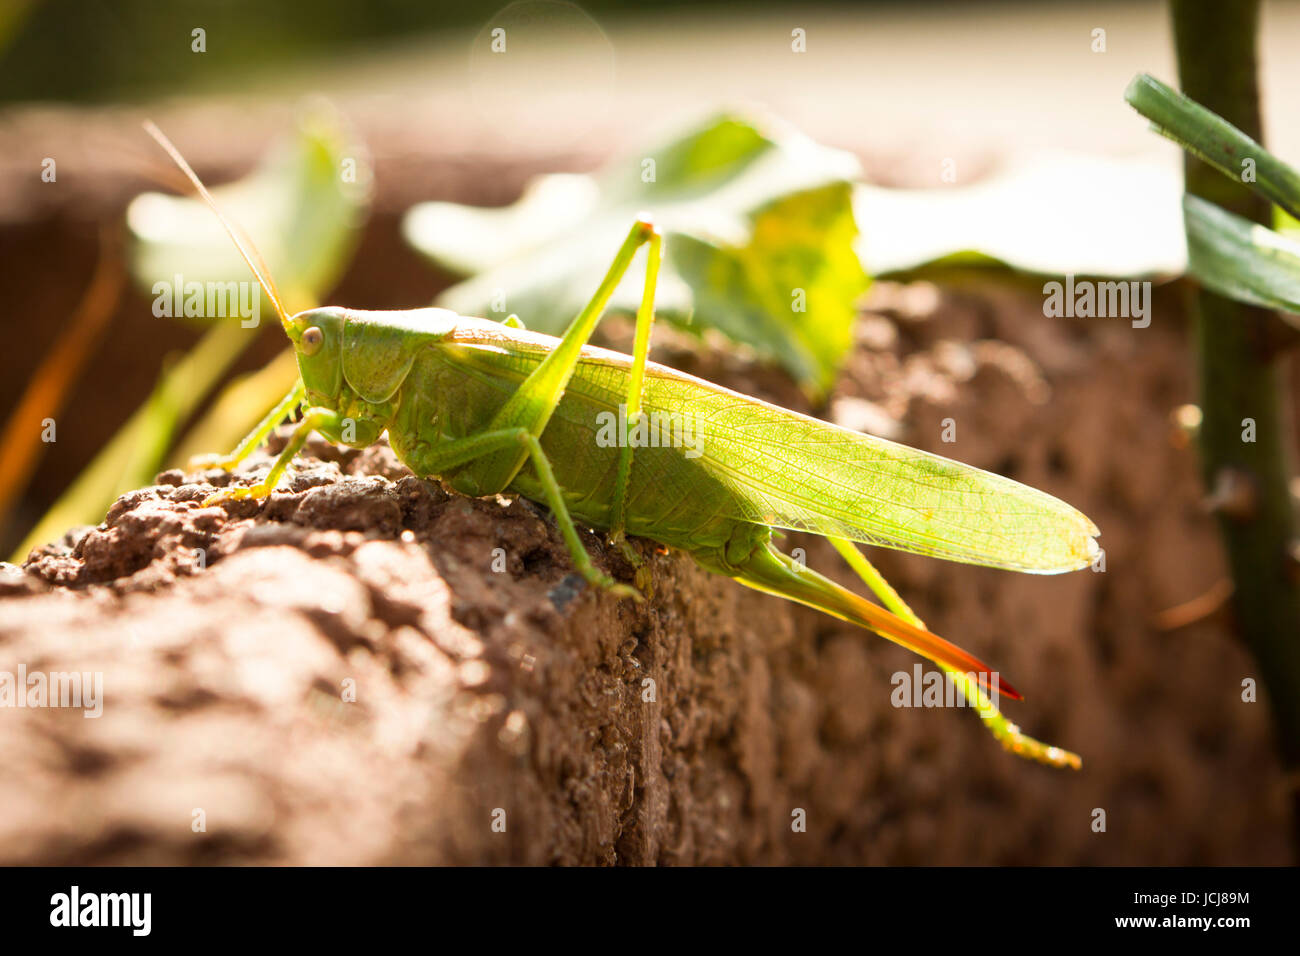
(757, 221)
(802, 244)
(1049, 213)
(1241, 259)
(1213, 139)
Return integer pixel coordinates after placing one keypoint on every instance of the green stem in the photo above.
(133, 455)
(1239, 377)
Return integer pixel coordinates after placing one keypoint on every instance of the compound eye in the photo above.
(312, 340)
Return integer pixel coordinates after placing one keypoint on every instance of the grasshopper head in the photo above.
(317, 337)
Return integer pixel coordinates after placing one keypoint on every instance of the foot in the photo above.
(613, 587)
(619, 540)
(256, 492)
(205, 462)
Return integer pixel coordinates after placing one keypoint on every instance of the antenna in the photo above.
(245, 245)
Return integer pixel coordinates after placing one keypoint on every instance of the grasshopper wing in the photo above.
(787, 470)
(791, 471)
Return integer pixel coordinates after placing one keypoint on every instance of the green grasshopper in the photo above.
(491, 408)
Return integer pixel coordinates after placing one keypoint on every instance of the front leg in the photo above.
(313, 419)
(253, 439)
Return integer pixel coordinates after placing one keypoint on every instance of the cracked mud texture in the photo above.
(367, 669)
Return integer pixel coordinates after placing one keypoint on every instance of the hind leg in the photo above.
(1003, 730)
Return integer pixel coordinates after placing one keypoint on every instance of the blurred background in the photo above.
(927, 96)
(905, 87)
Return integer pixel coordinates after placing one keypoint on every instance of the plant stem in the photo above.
(130, 459)
(1239, 377)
